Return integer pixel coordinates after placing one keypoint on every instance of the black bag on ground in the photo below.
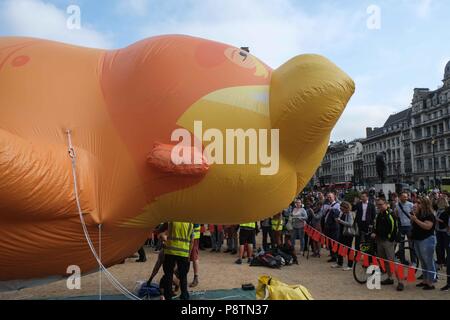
(266, 260)
(288, 259)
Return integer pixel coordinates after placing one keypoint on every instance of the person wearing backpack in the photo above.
(385, 232)
(403, 211)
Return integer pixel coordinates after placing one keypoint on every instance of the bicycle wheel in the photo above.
(360, 273)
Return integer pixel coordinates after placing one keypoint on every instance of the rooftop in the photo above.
(398, 118)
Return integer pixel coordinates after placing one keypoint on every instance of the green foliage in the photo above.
(350, 195)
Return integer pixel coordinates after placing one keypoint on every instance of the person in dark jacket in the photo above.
(365, 216)
(447, 286)
(266, 227)
(385, 232)
(331, 212)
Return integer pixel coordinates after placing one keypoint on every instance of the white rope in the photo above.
(100, 256)
(108, 275)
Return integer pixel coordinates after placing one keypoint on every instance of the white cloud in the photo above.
(275, 31)
(357, 117)
(442, 64)
(133, 7)
(403, 97)
(424, 8)
(36, 18)
(365, 111)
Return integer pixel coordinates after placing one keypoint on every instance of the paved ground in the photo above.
(218, 271)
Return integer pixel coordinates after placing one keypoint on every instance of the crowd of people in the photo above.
(420, 220)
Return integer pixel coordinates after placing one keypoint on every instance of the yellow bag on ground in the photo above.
(273, 289)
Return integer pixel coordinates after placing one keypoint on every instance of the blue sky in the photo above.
(410, 49)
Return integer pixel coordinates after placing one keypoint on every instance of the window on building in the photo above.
(418, 133)
(419, 164)
(430, 164)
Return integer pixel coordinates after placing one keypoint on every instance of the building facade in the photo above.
(415, 144)
(350, 156)
(430, 134)
(393, 142)
(338, 165)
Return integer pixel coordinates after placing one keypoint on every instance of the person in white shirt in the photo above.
(298, 217)
(365, 216)
(403, 210)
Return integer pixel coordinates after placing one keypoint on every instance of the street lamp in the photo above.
(445, 167)
(399, 168)
(433, 142)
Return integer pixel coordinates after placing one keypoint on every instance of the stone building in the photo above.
(430, 134)
(393, 141)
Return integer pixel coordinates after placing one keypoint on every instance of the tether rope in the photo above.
(109, 276)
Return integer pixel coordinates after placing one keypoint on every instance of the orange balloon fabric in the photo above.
(121, 107)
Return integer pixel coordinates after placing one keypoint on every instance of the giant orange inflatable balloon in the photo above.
(123, 109)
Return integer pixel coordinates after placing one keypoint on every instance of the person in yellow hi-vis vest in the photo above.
(194, 255)
(247, 232)
(277, 228)
(177, 251)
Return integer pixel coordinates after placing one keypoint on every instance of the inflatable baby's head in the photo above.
(172, 128)
(217, 135)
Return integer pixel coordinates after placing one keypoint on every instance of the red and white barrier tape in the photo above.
(367, 259)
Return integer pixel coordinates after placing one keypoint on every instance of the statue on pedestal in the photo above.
(380, 164)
